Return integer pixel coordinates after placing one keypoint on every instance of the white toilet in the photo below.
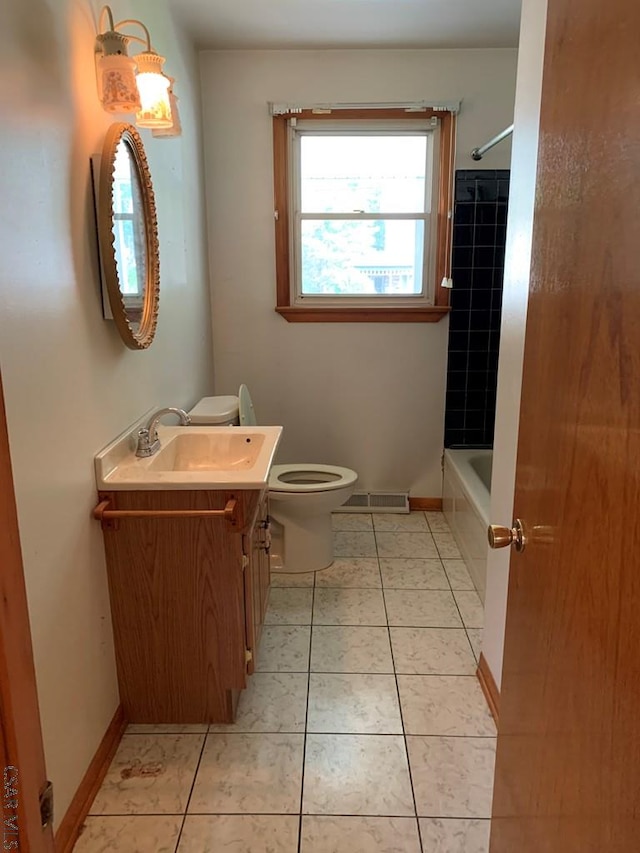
(301, 497)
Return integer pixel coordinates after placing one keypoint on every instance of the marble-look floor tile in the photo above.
(452, 776)
(289, 607)
(407, 545)
(349, 607)
(240, 834)
(432, 651)
(150, 774)
(361, 572)
(351, 521)
(475, 638)
(413, 574)
(447, 546)
(284, 648)
(354, 544)
(455, 836)
(272, 702)
(421, 608)
(284, 580)
(444, 705)
(249, 774)
(357, 704)
(471, 608)
(458, 574)
(167, 728)
(398, 521)
(130, 834)
(350, 649)
(357, 775)
(437, 522)
(359, 835)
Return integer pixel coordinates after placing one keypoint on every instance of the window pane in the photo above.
(125, 251)
(350, 258)
(344, 174)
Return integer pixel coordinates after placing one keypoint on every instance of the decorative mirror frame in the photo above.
(143, 336)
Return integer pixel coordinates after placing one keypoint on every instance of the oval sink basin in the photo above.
(210, 452)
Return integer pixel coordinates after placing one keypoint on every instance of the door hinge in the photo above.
(245, 562)
(248, 656)
(46, 805)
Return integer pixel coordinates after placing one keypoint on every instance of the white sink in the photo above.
(222, 450)
(194, 457)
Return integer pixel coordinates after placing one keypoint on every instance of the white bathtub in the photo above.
(466, 499)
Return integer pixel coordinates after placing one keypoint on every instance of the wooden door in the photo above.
(21, 749)
(568, 763)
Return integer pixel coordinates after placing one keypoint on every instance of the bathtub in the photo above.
(466, 498)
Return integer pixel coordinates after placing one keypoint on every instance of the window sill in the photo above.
(432, 314)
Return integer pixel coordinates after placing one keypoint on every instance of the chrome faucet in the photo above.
(148, 441)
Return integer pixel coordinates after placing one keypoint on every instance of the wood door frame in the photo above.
(20, 729)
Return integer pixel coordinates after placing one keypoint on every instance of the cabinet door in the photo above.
(177, 602)
(256, 582)
(264, 560)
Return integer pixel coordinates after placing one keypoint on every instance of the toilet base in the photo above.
(301, 544)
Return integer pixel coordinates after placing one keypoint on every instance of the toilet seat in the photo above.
(303, 479)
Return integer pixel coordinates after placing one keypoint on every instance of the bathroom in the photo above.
(368, 396)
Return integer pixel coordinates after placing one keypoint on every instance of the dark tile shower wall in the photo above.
(479, 232)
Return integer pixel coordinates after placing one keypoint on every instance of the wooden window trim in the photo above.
(444, 224)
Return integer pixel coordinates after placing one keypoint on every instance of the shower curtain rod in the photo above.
(478, 153)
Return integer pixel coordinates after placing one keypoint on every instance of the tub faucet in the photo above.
(148, 441)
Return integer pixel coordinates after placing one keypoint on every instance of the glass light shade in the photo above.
(176, 125)
(153, 86)
(119, 93)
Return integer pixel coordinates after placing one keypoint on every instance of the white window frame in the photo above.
(428, 128)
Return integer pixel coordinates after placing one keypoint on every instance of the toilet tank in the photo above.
(215, 411)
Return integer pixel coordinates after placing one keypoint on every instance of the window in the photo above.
(362, 215)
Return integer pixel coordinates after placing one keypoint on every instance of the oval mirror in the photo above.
(128, 233)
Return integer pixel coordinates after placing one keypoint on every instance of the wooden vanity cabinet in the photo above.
(188, 597)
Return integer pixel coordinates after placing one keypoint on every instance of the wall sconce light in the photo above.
(129, 85)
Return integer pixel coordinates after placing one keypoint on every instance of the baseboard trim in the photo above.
(425, 504)
(71, 823)
(489, 687)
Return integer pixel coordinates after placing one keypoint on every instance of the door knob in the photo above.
(502, 537)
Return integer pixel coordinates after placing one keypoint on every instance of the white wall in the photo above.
(70, 384)
(514, 313)
(368, 396)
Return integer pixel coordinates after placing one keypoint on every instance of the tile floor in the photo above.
(363, 730)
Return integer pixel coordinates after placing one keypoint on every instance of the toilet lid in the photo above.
(245, 405)
(309, 478)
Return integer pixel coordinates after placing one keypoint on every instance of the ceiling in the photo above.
(290, 24)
